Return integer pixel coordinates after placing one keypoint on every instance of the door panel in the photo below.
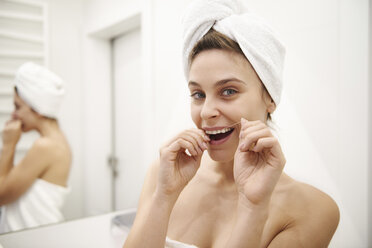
(128, 119)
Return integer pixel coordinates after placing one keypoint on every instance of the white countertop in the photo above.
(96, 231)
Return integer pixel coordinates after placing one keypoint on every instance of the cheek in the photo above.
(234, 110)
(251, 107)
(195, 114)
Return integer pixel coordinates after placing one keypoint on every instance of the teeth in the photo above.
(224, 130)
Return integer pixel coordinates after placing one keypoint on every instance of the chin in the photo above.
(26, 129)
(222, 156)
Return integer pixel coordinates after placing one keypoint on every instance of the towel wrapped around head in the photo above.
(40, 88)
(255, 37)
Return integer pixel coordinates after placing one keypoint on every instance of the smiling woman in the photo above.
(236, 194)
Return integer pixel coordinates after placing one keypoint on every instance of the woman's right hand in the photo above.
(177, 168)
(12, 132)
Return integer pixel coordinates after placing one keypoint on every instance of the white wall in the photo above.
(325, 117)
(65, 59)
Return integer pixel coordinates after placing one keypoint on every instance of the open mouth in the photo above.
(219, 135)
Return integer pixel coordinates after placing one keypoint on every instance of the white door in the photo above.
(128, 118)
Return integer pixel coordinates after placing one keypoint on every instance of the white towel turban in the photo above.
(40, 88)
(256, 39)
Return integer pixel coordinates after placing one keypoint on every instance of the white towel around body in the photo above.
(40, 205)
(170, 243)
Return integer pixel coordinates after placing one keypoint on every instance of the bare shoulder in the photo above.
(44, 145)
(313, 214)
(316, 202)
(52, 149)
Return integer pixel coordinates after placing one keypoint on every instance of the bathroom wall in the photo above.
(65, 58)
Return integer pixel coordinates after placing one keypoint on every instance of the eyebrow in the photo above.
(220, 82)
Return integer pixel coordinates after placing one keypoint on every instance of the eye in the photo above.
(197, 95)
(229, 92)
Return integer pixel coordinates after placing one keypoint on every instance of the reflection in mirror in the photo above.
(35, 156)
(33, 190)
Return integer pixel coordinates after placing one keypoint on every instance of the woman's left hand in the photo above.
(258, 163)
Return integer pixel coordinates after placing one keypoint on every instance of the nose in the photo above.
(209, 110)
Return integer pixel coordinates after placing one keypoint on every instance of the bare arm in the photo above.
(6, 160)
(153, 212)
(19, 178)
(151, 225)
(10, 138)
(163, 184)
(258, 164)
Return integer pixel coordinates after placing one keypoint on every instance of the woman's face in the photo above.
(24, 113)
(224, 88)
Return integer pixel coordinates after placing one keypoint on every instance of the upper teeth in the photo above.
(224, 130)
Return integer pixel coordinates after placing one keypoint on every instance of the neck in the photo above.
(223, 171)
(48, 127)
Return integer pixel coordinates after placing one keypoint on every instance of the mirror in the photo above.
(126, 93)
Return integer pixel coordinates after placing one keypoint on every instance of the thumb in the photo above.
(15, 123)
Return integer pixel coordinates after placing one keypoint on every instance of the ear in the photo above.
(271, 106)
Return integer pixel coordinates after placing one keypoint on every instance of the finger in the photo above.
(15, 122)
(8, 122)
(205, 137)
(245, 123)
(246, 131)
(188, 137)
(193, 140)
(271, 143)
(251, 139)
(11, 124)
(202, 134)
(264, 143)
(182, 145)
(198, 136)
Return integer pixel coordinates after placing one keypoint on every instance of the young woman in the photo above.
(236, 194)
(32, 193)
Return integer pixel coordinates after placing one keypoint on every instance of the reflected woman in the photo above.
(33, 191)
(236, 194)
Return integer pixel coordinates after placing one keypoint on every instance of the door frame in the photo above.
(98, 42)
